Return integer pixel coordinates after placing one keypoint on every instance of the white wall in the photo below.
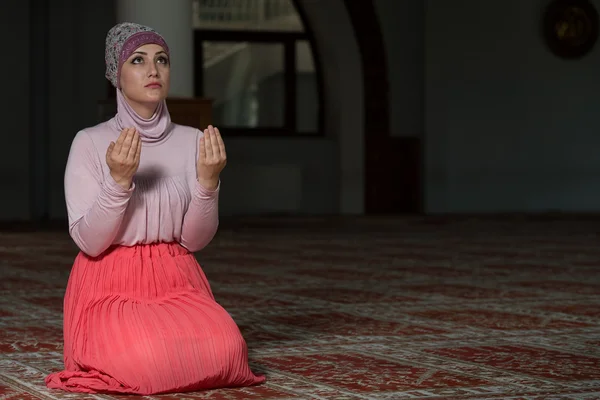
(14, 151)
(509, 126)
(506, 125)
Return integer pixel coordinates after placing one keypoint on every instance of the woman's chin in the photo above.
(150, 100)
(155, 95)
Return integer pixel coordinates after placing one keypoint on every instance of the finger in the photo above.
(127, 142)
(208, 143)
(135, 141)
(202, 150)
(120, 140)
(215, 143)
(138, 152)
(221, 143)
(110, 148)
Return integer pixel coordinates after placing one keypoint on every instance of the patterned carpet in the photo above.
(366, 308)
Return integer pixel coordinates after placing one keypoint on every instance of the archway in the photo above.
(379, 173)
(340, 60)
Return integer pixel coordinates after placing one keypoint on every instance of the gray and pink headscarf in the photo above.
(121, 41)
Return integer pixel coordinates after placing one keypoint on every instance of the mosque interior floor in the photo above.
(359, 308)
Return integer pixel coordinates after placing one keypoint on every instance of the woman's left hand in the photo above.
(212, 158)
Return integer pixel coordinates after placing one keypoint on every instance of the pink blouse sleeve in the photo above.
(201, 220)
(95, 204)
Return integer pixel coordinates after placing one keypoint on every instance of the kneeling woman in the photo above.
(142, 196)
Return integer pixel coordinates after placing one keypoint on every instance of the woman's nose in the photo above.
(153, 71)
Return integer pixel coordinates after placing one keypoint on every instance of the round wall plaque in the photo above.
(570, 27)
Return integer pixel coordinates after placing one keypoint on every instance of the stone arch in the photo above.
(353, 59)
(340, 61)
(381, 180)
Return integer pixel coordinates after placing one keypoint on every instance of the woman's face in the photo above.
(145, 75)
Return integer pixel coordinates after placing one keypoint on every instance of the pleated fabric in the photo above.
(143, 320)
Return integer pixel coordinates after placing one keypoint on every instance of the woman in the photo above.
(142, 195)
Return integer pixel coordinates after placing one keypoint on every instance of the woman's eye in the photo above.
(137, 60)
(163, 60)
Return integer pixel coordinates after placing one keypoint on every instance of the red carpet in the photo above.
(413, 308)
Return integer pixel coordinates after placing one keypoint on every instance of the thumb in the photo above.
(110, 148)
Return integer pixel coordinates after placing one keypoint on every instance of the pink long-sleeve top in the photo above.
(165, 203)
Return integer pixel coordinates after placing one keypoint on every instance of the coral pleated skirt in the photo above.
(143, 320)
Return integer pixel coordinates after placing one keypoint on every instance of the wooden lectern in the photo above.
(194, 112)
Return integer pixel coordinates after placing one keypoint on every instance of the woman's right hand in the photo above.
(123, 157)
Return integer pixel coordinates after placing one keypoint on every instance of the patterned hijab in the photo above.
(121, 41)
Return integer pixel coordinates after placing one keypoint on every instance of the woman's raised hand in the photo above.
(212, 158)
(123, 157)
